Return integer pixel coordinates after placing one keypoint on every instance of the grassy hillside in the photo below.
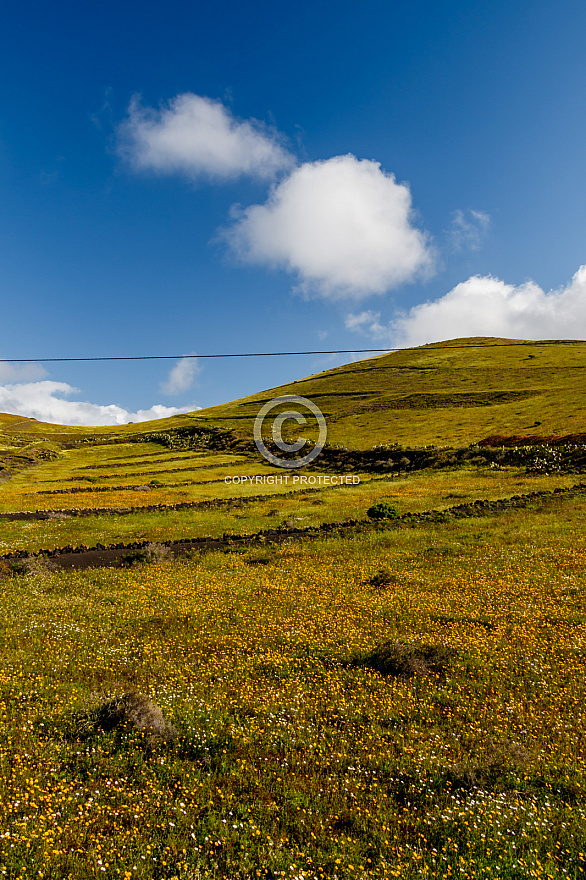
(449, 393)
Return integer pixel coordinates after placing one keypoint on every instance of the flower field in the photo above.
(317, 735)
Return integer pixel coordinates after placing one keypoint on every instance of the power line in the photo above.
(172, 357)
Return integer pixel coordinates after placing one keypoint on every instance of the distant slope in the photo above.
(453, 392)
(449, 393)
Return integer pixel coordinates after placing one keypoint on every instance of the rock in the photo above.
(134, 711)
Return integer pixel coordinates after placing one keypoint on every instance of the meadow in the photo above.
(220, 507)
(315, 739)
(405, 698)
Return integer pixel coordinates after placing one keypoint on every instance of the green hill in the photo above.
(448, 393)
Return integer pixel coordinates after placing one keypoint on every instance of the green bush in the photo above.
(382, 510)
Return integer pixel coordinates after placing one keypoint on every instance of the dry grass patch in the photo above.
(262, 557)
(34, 566)
(490, 770)
(153, 554)
(405, 660)
(383, 578)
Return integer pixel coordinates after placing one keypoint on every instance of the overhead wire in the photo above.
(432, 347)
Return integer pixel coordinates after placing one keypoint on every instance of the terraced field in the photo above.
(110, 493)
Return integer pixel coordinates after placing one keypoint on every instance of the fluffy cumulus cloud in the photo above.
(45, 401)
(181, 376)
(342, 225)
(196, 136)
(486, 306)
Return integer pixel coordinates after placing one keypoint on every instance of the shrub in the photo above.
(383, 578)
(405, 661)
(152, 553)
(382, 510)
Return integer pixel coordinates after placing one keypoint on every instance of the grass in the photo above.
(431, 395)
(398, 703)
(304, 749)
(270, 507)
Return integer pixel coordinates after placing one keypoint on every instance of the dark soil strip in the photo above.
(116, 555)
(534, 440)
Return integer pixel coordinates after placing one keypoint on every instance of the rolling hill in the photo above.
(449, 393)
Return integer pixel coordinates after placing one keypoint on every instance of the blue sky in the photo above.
(187, 178)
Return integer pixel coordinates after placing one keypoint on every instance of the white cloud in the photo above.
(468, 229)
(44, 401)
(342, 225)
(181, 376)
(197, 136)
(367, 321)
(487, 306)
(18, 372)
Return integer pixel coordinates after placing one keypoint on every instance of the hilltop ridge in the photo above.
(452, 393)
